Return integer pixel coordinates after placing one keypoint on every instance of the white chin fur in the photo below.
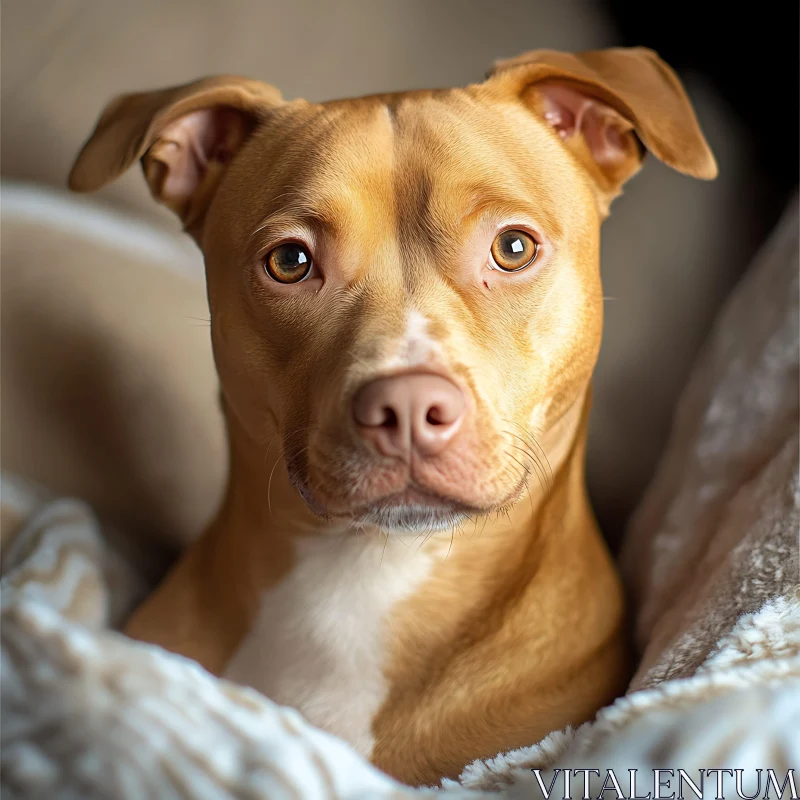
(412, 519)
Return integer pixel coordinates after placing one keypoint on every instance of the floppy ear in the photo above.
(606, 104)
(185, 136)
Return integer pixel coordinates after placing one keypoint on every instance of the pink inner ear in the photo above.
(189, 145)
(571, 112)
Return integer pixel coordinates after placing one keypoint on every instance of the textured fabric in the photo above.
(113, 719)
(717, 534)
(88, 713)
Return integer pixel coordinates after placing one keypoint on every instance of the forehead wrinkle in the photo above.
(324, 214)
(341, 185)
(506, 203)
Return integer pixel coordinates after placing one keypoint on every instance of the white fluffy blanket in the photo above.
(712, 557)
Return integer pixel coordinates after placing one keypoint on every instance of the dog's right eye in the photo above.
(514, 250)
(288, 263)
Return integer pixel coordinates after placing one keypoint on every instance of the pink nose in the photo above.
(409, 413)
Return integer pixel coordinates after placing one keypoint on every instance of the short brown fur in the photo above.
(518, 630)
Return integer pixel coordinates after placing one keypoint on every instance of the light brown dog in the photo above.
(405, 313)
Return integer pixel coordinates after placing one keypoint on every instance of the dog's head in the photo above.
(404, 289)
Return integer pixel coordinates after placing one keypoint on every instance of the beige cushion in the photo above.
(108, 387)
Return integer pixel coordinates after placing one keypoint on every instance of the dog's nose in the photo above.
(409, 413)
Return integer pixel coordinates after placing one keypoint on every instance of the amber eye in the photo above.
(288, 263)
(514, 250)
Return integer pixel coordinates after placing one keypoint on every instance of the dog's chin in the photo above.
(400, 519)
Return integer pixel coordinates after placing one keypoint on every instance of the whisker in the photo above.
(525, 478)
(530, 496)
(269, 483)
(424, 541)
(269, 446)
(288, 436)
(536, 463)
(525, 469)
(414, 540)
(533, 442)
(450, 546)
(346, 531)
(550, 478)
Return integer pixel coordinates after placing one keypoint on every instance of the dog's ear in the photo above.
(605, 104)
(185, 136)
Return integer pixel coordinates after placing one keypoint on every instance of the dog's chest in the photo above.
(320, 639)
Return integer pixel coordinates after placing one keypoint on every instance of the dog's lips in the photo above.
(394, 495)
(414, 496)
(411, 496)
(408, 510)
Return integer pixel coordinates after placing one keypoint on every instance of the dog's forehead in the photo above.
(404, 150)
(406, 173)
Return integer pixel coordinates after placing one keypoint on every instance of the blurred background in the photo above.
(672, 249)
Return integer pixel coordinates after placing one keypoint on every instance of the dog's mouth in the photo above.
(392, 498)
(410, 510)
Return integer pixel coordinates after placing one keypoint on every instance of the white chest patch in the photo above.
(320, 638)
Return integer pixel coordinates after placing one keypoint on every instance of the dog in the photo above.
(406, 310)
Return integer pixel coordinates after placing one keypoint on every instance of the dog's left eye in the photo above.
(514, 250)
(288, 263)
